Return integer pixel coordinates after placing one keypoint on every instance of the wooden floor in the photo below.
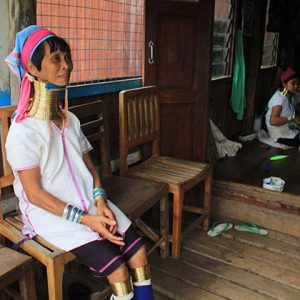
(252, 164)
(237, 266)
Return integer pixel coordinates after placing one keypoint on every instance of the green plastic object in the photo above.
(278, 157)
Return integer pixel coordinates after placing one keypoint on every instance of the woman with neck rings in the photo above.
(59, 190)
(282, 118)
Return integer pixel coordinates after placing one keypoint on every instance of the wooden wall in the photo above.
(220, 110)
(266, 86)
(183, 34)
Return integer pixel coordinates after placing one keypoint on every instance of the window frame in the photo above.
(95, 86)
(225, 77)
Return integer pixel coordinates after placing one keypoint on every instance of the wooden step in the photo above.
(274, 210)
(278, 201)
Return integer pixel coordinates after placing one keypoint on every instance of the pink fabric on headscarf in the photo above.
(285, 75)
(27, 41)
(32, 42)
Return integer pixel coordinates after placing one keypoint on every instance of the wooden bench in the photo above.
(15, 266)
(133, 196)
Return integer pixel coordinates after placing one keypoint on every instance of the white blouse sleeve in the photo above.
(85, 145)
(23, 148)
(278, 99)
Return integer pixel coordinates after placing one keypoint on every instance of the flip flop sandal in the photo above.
(218, 228)
(250, 227)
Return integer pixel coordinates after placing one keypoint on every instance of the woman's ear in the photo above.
(32, 68)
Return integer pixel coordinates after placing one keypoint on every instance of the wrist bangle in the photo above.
(99, 194)
(73, 213)
(81, 217)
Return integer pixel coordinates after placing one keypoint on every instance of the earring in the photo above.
(285, 91)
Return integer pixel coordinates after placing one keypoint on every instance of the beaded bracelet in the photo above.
(73, 213)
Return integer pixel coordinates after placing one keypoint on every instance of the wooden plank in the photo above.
(246, 263)
(288, 239)
(246, 279)
(203, 280)
(159, 296)
(10, 260)
(258, 250)
(8, 204)
(274, 235)
(277, 221)
(175, 288)
(271, 245)
(258, 196)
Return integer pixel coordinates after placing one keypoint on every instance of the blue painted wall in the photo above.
(87, 90)
(103, 87)
(5, 98)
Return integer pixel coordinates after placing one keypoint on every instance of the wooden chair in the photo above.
(15, 266)
(140, 125)
(133, 196)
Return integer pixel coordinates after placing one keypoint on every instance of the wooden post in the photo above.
(21, 13)
(253, 57)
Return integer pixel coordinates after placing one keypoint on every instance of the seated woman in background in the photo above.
(281, 110)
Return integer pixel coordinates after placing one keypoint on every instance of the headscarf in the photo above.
(287, 75)
(26, 42)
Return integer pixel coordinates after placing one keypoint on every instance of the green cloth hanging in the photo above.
(238, 98)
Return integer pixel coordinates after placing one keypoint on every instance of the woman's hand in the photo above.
(104, 210)
(100, 224)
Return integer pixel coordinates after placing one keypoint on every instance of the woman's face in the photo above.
(56, 67)
(292, 85)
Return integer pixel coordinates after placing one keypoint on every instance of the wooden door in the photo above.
(181, 33)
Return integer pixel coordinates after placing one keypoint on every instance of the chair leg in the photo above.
(177, 218)
(55, 271)
(27, 285)
(207, 200)
(164, 226)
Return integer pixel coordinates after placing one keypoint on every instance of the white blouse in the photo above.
(287, 109)
(59, 155)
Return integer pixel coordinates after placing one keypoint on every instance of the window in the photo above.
(223, 38)
(270, 48)
(106, 37)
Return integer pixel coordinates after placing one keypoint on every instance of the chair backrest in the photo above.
(139, 121)
(7, 177)
(5, 115)
(94, 124)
